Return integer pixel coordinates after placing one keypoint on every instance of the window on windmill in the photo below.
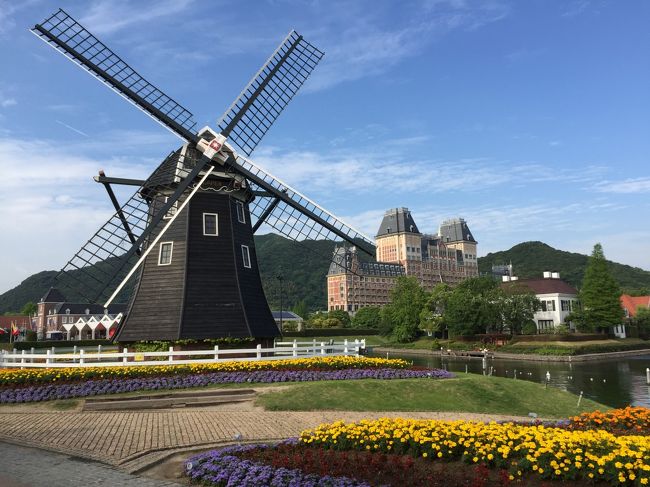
(165, 253)
(210, 224)
(241, 214)
(246, 256)
(172, 210)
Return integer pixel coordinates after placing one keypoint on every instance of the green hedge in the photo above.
(59, 343)
(550, 337)
(332, 332)
(572, 350)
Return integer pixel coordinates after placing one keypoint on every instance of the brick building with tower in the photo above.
(449, 256)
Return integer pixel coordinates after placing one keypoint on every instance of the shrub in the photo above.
(529, 328)
(59, 343)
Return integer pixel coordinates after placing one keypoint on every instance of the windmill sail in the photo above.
(104, 260)
(217, 287)
(293, 214)
(262, 100)
(70, 38)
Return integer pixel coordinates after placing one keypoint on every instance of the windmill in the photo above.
(186, 235)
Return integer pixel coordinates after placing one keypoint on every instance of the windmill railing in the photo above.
(98, 358)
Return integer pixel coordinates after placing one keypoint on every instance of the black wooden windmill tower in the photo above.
(186, 235)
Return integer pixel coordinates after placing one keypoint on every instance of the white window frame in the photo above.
(216, 225)
(241, 217)
(172, 211)
(246, 256)
(171, 252)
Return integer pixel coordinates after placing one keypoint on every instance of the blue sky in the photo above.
(530, 119)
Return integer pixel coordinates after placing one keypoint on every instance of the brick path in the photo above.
(120, 438)
(27, 467)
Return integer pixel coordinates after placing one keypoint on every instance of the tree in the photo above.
(518, 305)
(301, 309)
(473, 307)
(600, 295)
(642, 318)
(322, 319)
(30, 308)
(432, 314)
(368, 317)
(401, 317)
(342, 316)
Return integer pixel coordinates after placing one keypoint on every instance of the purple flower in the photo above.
(45, 392)
(224, 468)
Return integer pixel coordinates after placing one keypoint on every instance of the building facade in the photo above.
(558, 299)
(57, 317)
(402, 250)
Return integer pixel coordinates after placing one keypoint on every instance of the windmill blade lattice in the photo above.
(293, 214)
(105, 259)
(70, 38)
(260, 103)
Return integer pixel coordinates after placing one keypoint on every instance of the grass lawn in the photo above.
(467, 393)
(604, 343)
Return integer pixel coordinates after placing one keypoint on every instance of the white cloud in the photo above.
(8, 9)
(50, 204)
(575, 8)
(109, 16)
(628, 186)
(391, 171)
(8, 102)
(572, 227)
(364, 49)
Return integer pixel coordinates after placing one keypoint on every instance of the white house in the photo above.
(558, 298)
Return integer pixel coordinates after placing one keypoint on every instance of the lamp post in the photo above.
(280, 278)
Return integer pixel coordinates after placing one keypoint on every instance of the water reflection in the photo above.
(617, 383)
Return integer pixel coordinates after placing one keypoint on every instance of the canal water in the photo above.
(617, 383)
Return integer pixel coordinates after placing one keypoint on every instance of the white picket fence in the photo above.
(95, 357)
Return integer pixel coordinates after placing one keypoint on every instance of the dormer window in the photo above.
(67, 311)
(87, 311)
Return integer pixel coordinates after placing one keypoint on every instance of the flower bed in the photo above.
(629, 420)
(225, 467)
(45, 392)
(295, 464)
(536, 452)
(12, 377)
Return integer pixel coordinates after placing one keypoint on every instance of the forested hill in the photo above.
(300, 268)
(531, 259)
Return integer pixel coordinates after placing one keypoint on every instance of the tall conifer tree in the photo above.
(600, 294)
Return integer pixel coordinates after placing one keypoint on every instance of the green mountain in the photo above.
(299, 269)
(531, 259)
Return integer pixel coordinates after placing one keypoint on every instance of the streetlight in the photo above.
(280, 278)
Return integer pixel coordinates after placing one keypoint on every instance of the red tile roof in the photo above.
(544, 286)
(631, 303)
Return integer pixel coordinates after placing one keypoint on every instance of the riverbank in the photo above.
(381, 351)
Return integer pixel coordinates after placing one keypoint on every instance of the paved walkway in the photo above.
(28, 467)
(125, 438)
